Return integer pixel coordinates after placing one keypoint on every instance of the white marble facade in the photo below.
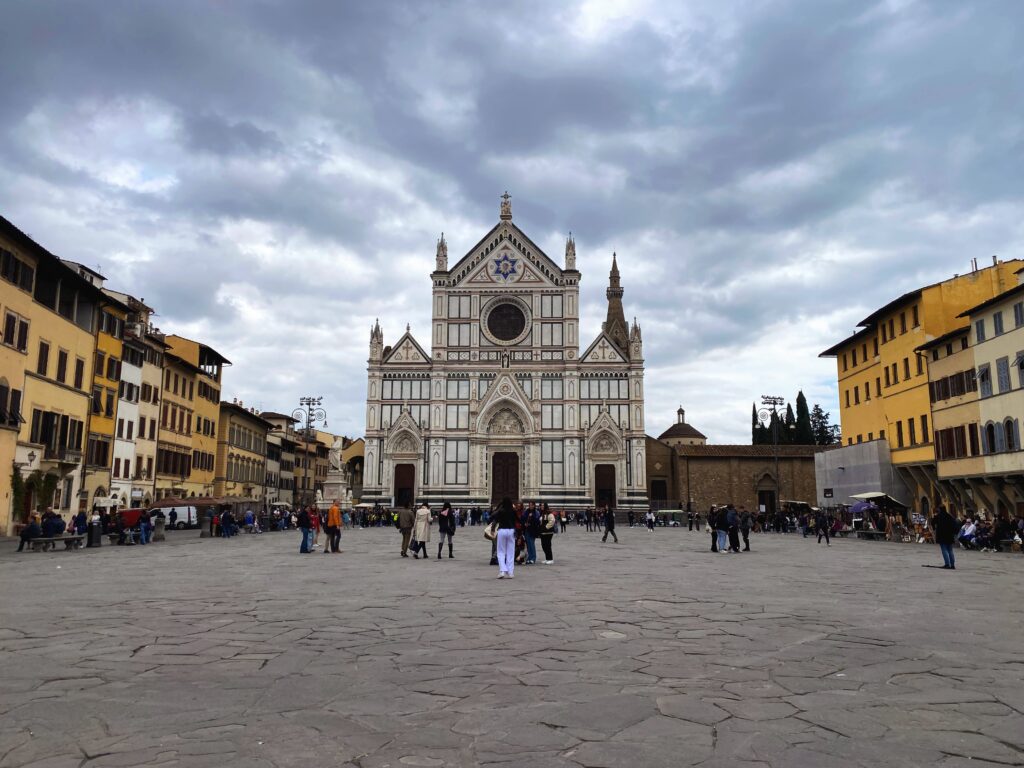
(504, 403)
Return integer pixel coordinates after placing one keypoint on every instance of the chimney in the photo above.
(995, 260)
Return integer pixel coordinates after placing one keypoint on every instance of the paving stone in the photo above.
(797, 656)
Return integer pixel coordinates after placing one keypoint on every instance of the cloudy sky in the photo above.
(272, 176)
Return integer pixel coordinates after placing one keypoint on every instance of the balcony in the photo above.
(62, 455)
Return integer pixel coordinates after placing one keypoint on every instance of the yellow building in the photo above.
(46, 353)
(978, 393)
(204, 397)
(883, 379)
(241, 453)
(956, 413)
(106, 383)
(174, 438)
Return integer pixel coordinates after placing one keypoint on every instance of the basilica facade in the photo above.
(501, 401)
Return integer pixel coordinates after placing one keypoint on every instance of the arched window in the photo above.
(1011, 444)
(990, 438)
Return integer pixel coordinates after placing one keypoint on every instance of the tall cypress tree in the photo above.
(755, 426)
(804, 433)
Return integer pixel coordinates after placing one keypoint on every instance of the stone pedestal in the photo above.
(337, 488)
(206, 529)
(158, 529)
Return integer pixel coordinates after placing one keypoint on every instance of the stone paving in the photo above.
(652, 652)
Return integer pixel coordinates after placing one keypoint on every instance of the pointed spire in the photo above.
(506, 206)
(615, 323)
(570, 253)
(408, 328)
(442, 255)
(681, 414)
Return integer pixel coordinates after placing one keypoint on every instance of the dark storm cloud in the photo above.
(273, 175)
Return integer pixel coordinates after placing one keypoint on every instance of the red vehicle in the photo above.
(130, 517)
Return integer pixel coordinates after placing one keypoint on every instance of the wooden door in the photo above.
(504, 477)
(405, 485)
(604, 485)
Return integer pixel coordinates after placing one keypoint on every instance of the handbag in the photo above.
(491, 531)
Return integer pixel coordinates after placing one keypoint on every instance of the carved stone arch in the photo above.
(506, 421)
(404, 441)
(605, 442)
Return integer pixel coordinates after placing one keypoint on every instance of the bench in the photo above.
(871, 534)
(74, 541)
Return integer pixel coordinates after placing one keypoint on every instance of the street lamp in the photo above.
(769, 413)
(309, 410)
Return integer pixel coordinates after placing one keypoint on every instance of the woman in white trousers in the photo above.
(506, 515)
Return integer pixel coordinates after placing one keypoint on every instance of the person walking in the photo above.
(609, 524)
(506, 541)
(446, 524)
(946, 527)
(822, 524)
(722, 527)
(304, 524)
(548, 523)
(561, 521)
(713, 527)
(689, 519)
(746, 523)
(406, 520)
(421, 532)
(333, 529)
(650, 520)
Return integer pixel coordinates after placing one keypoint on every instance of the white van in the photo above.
(185, 516)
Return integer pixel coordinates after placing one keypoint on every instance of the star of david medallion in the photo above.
(505, 267)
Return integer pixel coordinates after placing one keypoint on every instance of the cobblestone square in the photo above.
(651, 652)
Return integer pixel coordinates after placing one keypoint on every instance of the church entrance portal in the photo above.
(405, 484)
(604, 482)
(504, 477)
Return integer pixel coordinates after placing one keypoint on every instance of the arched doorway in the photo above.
(405, 484)
(767, 494)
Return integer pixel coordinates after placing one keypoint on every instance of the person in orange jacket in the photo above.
(333, 529)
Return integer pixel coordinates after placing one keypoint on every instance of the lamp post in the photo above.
(769, 413)
(310, 412)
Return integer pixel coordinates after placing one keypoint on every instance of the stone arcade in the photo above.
(504, 404)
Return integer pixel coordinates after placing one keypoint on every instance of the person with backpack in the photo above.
(548, 523)
(733, 519)
(746, 523)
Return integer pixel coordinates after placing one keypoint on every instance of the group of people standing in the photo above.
(727, 524)
(515, 532)
(415, 529)
(310, 520)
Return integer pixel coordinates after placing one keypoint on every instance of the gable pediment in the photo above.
(407, 351)
(603, 351)
(506, 256)
(505, 393)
